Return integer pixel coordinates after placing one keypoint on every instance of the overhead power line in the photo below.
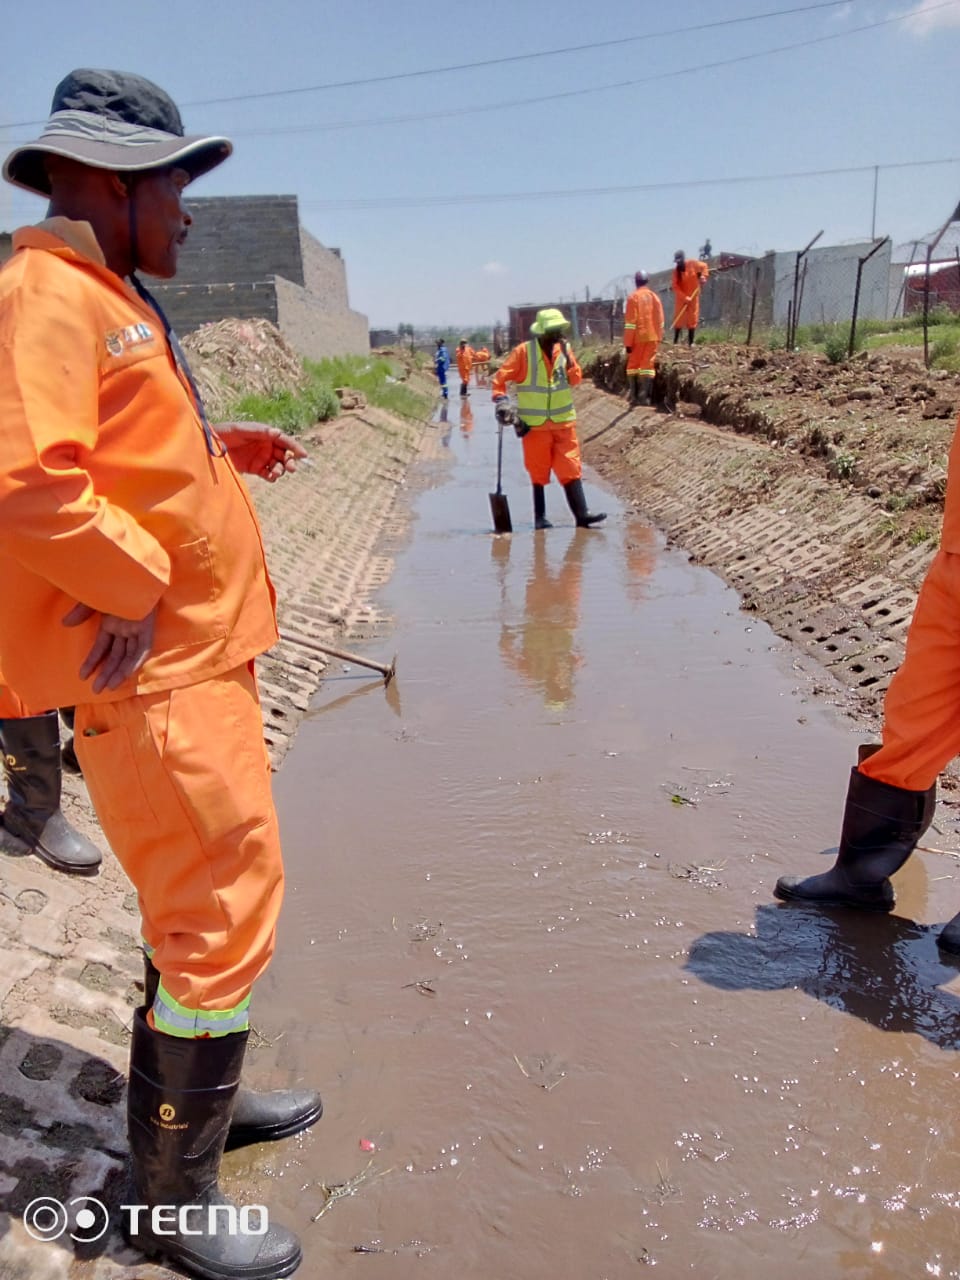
(610, 86)
(521, 57)
(502, 197)
(422, 72)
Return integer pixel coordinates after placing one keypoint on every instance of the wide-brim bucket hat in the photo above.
(549, 320)
(112, 120)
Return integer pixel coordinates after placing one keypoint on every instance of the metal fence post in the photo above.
(753, 305)
(861, 262)
(794, 311)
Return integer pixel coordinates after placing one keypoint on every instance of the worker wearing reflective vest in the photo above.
(464, 364)
(687, 280)
(130, 546)
(642, 335)
(892, 793)
(544, 370)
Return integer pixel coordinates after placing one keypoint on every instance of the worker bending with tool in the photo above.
(892, 792)
(642, 335)
(130, 544)
(687, 280)
(544, 370)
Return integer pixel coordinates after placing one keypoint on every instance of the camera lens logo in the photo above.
(47, 1219)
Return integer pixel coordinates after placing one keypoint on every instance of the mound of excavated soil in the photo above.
(879, 422)
(234, 358)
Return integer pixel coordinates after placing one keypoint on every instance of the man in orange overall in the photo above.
(688, 278)
(481, 363)
(464, 364)
(544, 370)
(642, 335)
(892, 792)
(130, 545)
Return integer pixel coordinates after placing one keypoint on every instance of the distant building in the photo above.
(383, 338)
(249, 257)
(600, 318)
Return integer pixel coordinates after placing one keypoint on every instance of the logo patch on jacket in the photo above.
(120, 340)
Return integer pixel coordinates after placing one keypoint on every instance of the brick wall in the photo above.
(313, 330)
(248, 256)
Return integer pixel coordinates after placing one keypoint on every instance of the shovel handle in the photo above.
(307, 642)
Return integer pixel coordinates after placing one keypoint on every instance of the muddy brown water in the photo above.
(529, 949)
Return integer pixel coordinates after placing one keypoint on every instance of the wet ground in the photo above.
(530, 952)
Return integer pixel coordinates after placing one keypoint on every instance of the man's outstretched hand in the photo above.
(260, 450)
(121, 648)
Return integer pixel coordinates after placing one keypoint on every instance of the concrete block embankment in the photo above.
(815, 558)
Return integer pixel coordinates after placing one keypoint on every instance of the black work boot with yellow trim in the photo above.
(881, 827)
(33, 771)
(179, 1103)
(256, 1117)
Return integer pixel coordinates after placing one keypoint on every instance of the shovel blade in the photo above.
(500, 510)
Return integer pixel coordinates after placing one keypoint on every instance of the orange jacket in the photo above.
(465, 362)
(686, 293)
(108, 493)
(950, 533)
(643, 318)
(481, 355)
(514, 369)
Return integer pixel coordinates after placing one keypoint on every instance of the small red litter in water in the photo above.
(367, 1145)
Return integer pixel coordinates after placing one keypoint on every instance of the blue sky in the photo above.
(883, 96)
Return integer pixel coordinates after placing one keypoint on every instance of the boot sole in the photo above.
(248, 1135)
(856, 904)
(71, 868)
(194, 1266)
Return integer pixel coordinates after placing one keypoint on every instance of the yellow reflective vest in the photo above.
(542, 398)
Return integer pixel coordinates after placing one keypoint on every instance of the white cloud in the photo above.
(493, 269)
(932, 15)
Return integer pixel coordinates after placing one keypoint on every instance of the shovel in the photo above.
(499, 507)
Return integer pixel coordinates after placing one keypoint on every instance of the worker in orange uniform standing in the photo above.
(892, 793)
(464, 364)
(130, 544)
(687, 280)
(33, 770)
(642, 335)
(544, 370)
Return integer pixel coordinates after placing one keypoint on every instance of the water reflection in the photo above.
(541, 647)
(466, 417)
(640, 554)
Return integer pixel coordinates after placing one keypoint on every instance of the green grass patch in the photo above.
(296, 409)
(377, 377)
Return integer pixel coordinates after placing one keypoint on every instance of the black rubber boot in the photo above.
(179, 1102)
(540, 520)
(690, 333)
(68, 753)
(676, 336)
(634, 390)
(32, 767)
(881, 827)
(256, 1117)
(645, 392)
(578, 505)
